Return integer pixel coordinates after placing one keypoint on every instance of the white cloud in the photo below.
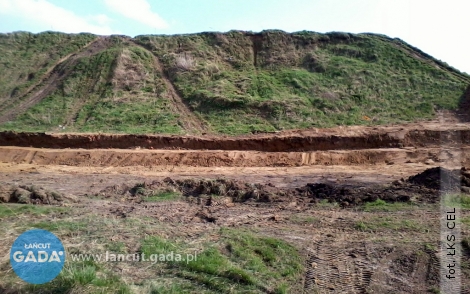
(138, 10)
(5, 5)
(101, 19)
(46, 16)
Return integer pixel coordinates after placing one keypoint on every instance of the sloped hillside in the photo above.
(219, 83)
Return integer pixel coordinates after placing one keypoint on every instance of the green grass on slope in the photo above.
(242, 82)
(25, 57)
(89, 100)
(296, 84)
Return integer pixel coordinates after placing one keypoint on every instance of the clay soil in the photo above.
(310, 188)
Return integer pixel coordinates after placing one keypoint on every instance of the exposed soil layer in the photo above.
(212, 158)
(413, 135)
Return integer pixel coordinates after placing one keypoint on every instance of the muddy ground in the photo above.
(311, 189)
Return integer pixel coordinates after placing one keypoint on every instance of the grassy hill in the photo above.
(222, 83)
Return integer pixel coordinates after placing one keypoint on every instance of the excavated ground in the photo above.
(414, 143)
(307, 187)
(426, 134)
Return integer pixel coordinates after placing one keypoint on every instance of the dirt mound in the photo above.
(356, 195)
(439, 178)
(31, 195)
(238, 191)
(423, 187)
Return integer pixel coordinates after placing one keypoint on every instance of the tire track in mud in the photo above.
(335, 265)
(331, 270)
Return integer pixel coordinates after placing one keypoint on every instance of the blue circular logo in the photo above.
(37, 256)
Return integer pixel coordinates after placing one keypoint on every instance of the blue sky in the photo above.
(439, 28)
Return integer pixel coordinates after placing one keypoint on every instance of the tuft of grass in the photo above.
(117, 247)
(325, 203)
(388, 223)
(176, 286)
(162, 196)
(81, 277)
(434, 290)
(157, 245)
(11, 209)
(303, 219)
(461, 201)
(466, 221)
(241, 262)
(380, 205)
(430, 247)
(59, 225)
